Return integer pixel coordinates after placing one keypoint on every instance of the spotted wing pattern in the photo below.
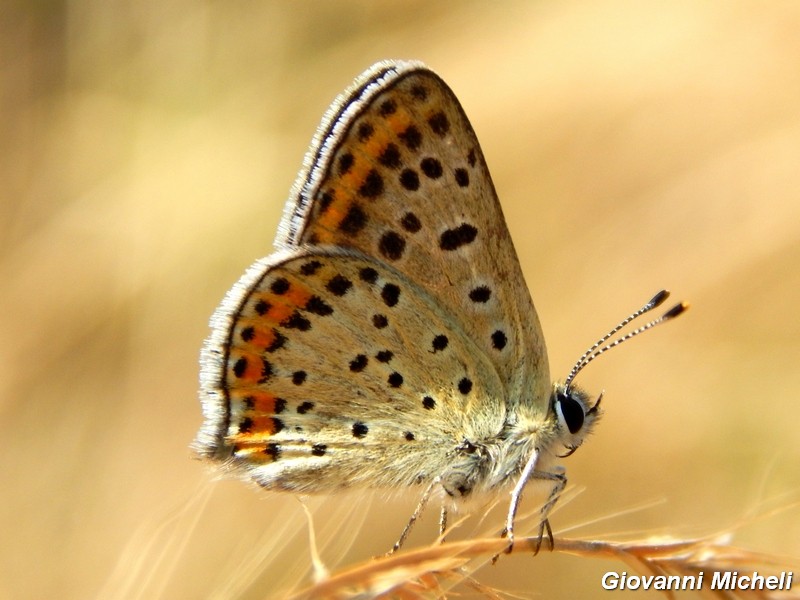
(397, 172)
(314, 384)
(393, 325)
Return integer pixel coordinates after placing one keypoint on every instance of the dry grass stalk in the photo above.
(430, 572)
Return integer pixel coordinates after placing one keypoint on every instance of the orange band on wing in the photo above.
(258, 401)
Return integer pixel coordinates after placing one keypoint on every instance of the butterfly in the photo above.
(390, 340)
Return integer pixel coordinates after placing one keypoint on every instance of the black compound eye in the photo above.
(571, 412)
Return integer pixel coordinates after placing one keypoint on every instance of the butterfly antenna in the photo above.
(596, 350)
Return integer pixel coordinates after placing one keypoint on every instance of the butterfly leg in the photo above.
(516, 496)
(423, 501)
(559, 480)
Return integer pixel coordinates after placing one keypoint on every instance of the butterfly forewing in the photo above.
(397, 173)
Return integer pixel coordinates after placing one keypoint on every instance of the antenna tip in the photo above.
(658, 298)
(676, 310)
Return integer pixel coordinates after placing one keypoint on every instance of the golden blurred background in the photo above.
(147, 150)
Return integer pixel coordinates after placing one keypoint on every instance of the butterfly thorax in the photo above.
(497, 461)
(493, 463)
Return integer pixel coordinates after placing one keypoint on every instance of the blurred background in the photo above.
(147, 148)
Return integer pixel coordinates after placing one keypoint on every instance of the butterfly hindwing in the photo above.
(334, 359)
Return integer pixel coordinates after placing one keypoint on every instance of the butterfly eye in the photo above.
(570, 413)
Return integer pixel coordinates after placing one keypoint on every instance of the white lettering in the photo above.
(698, 582)
(722, 580)
(610, 580)
(622, 581)
(731, 580)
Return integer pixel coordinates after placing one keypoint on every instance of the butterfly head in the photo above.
(576, 415)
